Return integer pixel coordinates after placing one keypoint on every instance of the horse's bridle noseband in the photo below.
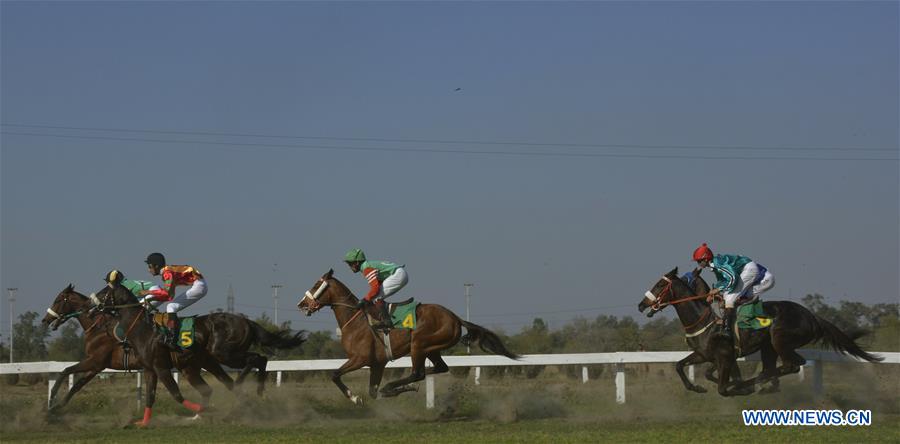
(658, 302)
(313, 304)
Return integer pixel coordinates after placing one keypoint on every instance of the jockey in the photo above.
(173, 276)
(739, 279)
(116, 277)
(385, 279)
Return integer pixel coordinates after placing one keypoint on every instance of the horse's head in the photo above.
(64, 307)
(667, 289)
(326, 291)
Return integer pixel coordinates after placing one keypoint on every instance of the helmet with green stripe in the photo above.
(355, 255)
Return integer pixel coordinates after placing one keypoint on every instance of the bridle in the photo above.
(660, 303)
(313, 305)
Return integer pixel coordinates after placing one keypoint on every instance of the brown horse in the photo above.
(103, 350)
(224, 336)
(437, 329)
(793, 326)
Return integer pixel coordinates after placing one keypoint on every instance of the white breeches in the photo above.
(393, 283)
(188, 298)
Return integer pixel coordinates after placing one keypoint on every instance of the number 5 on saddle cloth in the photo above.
(184, 329)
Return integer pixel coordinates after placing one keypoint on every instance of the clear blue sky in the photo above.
(555, 236)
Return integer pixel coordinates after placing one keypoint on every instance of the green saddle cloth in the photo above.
(404, 315)
(752, 316)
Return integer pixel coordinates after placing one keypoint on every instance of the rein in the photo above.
(659, 304)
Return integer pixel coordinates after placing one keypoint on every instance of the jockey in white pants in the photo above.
(385, 278)
(174, 276)
(740, 280)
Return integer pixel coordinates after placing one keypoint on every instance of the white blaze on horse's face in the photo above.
(652, 300)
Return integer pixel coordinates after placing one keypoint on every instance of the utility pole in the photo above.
(275, 297)
(468, 297)
(12, 300)
(230, 299)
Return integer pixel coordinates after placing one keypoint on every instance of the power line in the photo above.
(442, 151)
(453, 142)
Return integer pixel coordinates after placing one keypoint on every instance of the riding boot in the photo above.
(171, 340)
(385, 316)
(728, 322)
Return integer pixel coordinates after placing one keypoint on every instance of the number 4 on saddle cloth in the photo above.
(403, 314)
(184, 329)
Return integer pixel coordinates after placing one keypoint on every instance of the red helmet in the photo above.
(703, 253)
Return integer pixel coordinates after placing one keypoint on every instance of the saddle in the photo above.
(184, 328)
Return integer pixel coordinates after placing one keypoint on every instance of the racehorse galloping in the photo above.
(437, 329)
(103, 350)
(224, 336)
(792, 327)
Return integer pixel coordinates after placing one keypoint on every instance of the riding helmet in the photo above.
(703, 253)
(355, 255)
(156, 259)
(114, 277)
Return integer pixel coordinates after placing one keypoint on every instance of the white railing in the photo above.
(620, 359)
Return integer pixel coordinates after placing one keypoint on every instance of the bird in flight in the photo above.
(458, 89)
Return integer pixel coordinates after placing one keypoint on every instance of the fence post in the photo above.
(818, 383)
(620, 383)
(584, 375)
(71, 380)
(801, 374)
(175, 375)
(691, 373)
(278, 379)
(477, 375)
(429, 392)
(50, 382)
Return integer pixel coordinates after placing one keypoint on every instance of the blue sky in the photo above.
(550, 234)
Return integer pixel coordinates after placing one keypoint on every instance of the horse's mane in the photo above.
(119, 294)
(347, 289)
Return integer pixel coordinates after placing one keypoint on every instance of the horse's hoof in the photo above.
(356, 400)
(194, 418)
(698, 389)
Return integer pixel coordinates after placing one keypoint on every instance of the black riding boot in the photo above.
(385, 315)
(728, 322)
(172, 331)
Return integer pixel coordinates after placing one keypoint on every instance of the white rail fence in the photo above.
(619, 359)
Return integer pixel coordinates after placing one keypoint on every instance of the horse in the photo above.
(224, 336)
(436, 329)
(792, 327)
(103, 350)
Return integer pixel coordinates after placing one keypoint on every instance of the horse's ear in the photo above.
(673, 273)
(70, 288)
(697, 272)
(329, 274)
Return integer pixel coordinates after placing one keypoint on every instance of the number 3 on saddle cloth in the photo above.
(184, 329)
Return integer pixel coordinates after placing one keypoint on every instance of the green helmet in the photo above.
(355, 255)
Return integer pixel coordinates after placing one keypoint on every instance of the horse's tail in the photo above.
(282, 339)
(824, 331)
(485, 339)
(839, 341)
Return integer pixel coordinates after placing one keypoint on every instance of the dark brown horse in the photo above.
(224, 336)
(437, 329)
(793, 326)
(103, 350)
